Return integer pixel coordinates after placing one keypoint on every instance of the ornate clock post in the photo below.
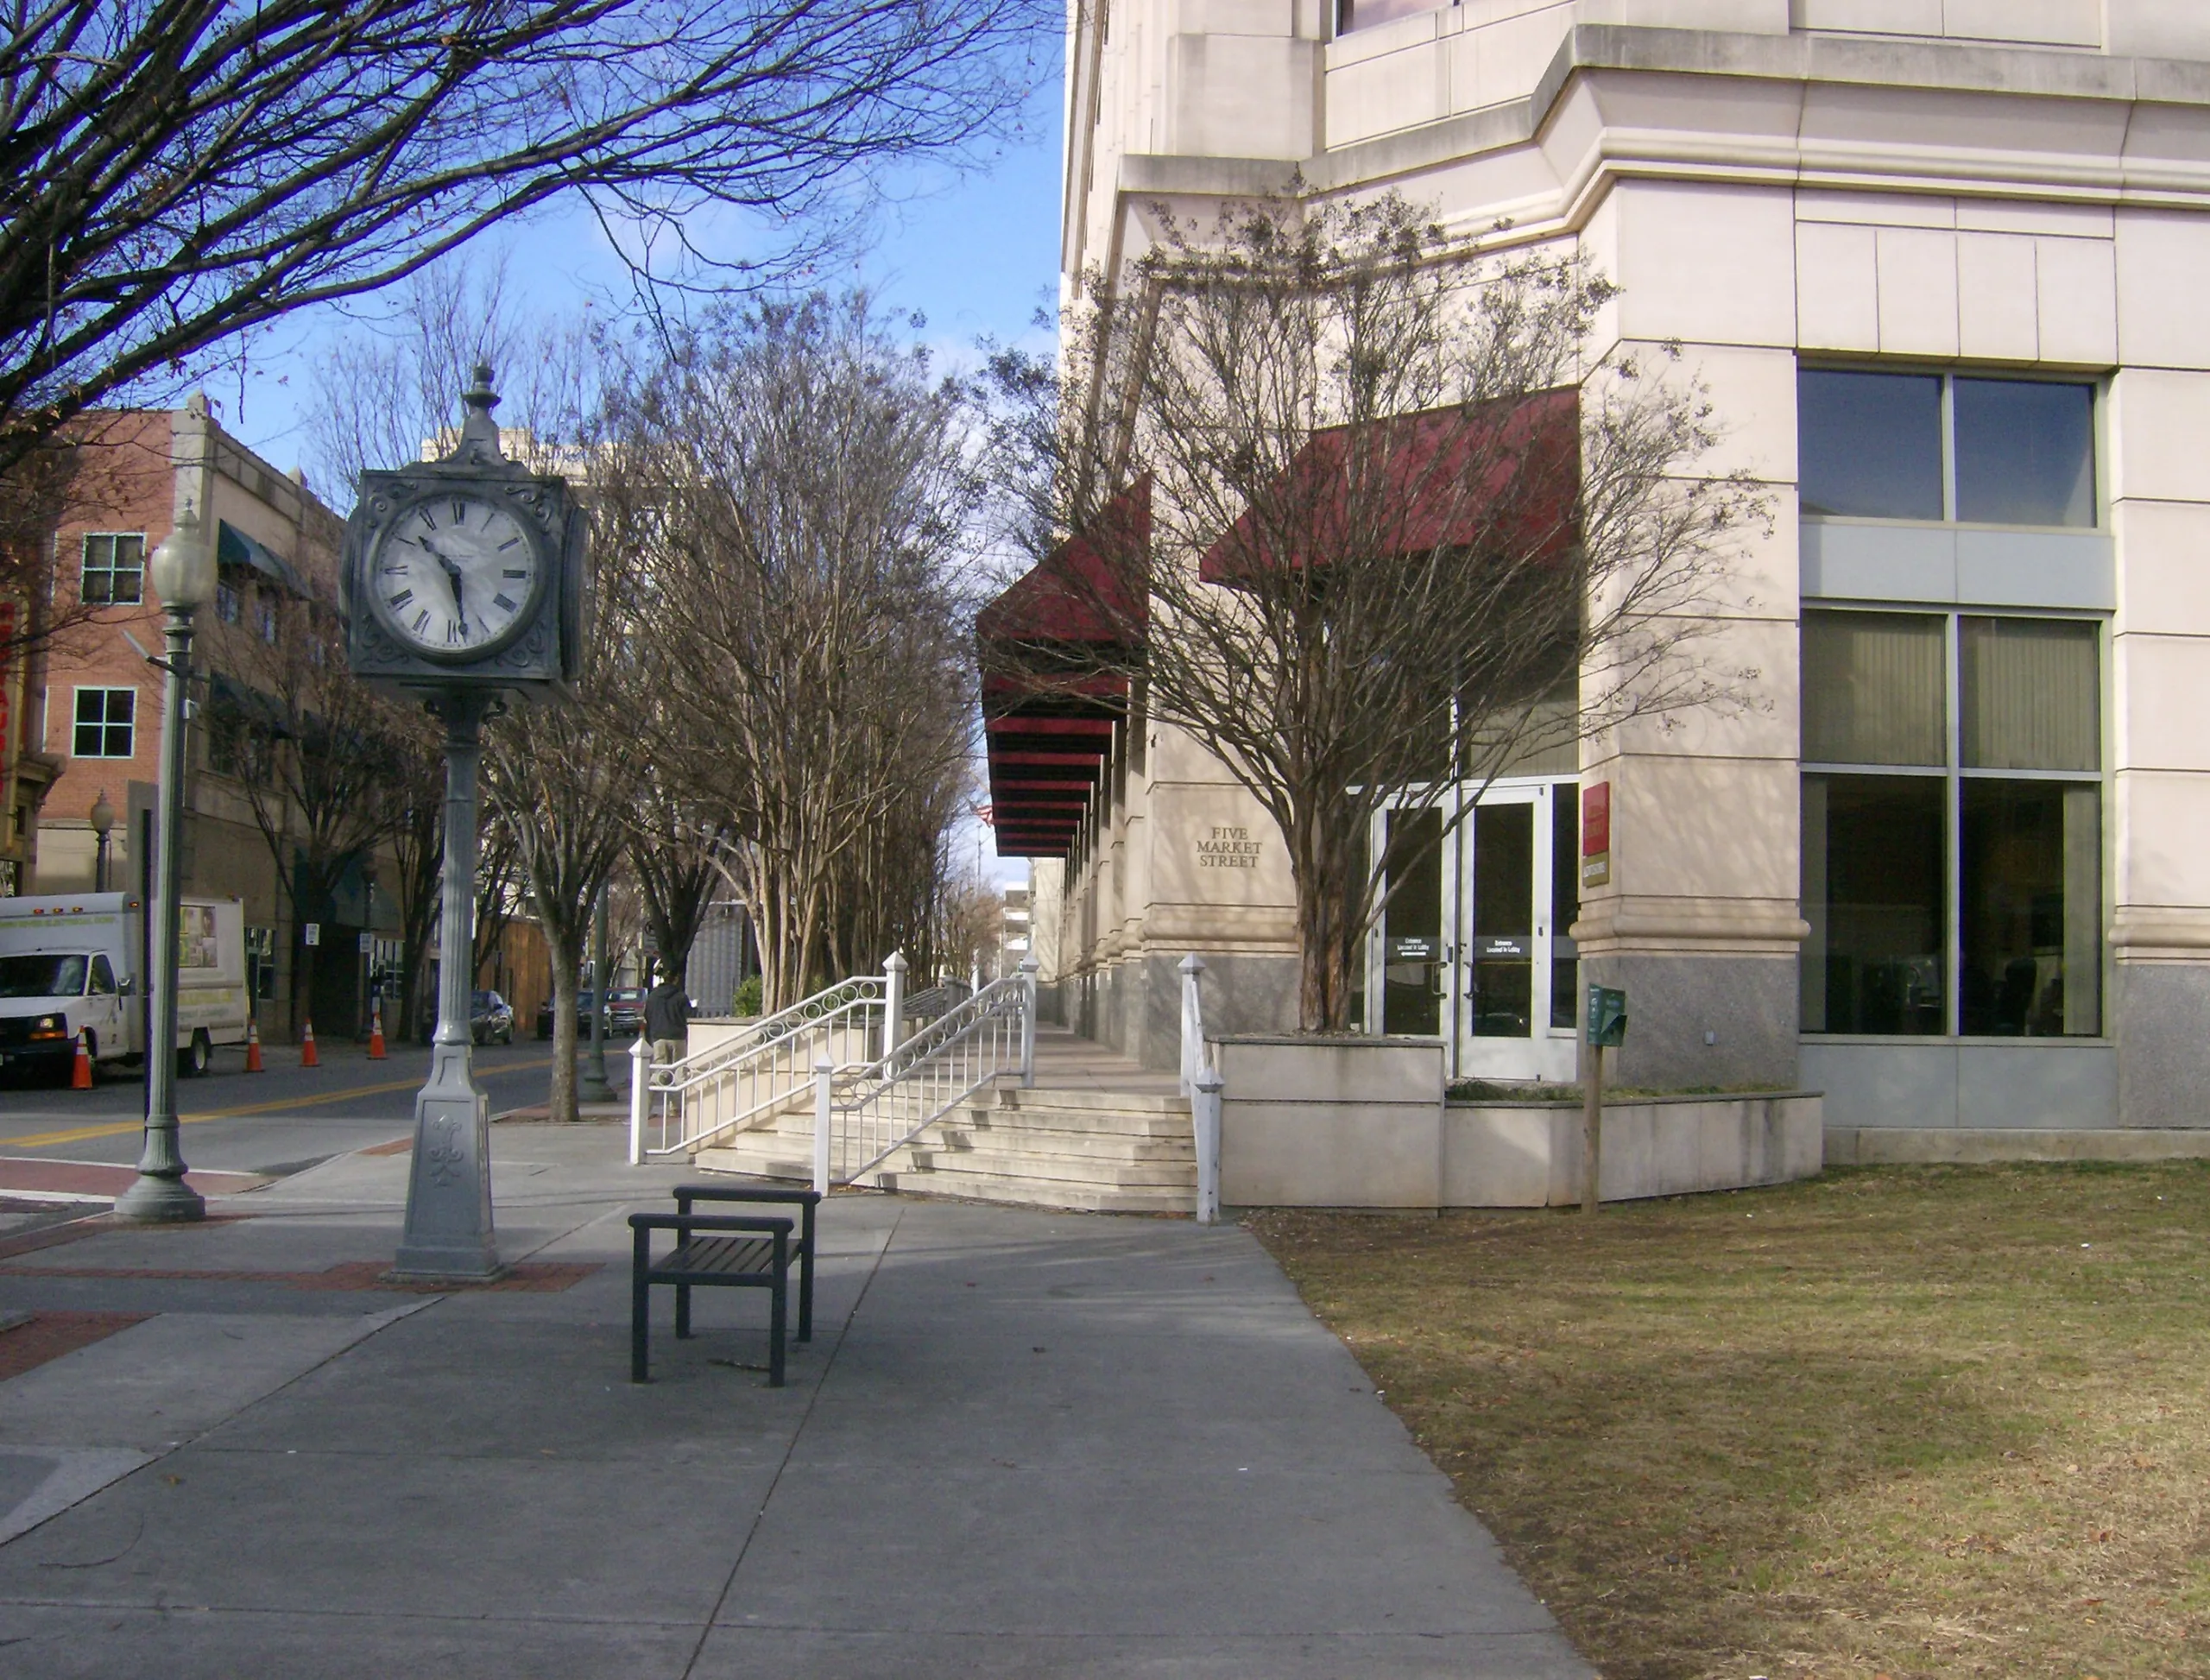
(462, 588)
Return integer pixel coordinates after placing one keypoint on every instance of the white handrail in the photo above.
(761, 1072)
(887, 1103)
(1196, 1054)
(1204, 1125)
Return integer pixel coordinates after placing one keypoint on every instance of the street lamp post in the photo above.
(183, 574)
(103, 816)
(595, 1088)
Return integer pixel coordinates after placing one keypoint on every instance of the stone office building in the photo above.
(1940, 264)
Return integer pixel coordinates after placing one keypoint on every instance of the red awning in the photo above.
(1048, 710)
(1445, 478)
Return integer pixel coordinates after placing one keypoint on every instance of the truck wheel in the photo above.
(194, 1059)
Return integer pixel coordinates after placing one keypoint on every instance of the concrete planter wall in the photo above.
(1362, 1123)
(1528, 1154)
(1331, 1122)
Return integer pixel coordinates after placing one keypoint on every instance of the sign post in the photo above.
(1605, 1025)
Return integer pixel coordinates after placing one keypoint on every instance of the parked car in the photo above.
(625, 1013)
(490, 1018)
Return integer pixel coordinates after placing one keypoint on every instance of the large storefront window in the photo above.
(1952, 825)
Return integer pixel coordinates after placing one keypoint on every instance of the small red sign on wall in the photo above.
(1596, 834)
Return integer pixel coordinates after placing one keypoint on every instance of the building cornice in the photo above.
(2148, 101)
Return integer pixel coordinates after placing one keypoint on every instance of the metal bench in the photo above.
(728, 1251)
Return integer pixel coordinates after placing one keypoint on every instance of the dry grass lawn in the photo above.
(1897, 1421)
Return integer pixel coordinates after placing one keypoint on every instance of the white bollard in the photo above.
(824, 1098)
(639, 1056)
(893, 1003)
(1028, 1023)
(1204, 1116)
(1193, 1029)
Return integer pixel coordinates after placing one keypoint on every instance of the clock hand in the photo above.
(459, 598)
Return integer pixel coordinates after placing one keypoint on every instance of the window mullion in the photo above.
(1952, 818)
(1948, 448)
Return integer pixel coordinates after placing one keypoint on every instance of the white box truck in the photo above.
(72, 962)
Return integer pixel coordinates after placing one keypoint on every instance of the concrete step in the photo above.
(1091, 1151)
(926, 1156)
(1016, 1140)
(1091, 1102)
(1029, 1193)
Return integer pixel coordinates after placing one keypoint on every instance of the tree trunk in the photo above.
(560, 950)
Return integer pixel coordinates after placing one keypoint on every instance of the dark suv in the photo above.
(625, 1013)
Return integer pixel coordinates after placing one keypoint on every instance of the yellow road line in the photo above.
(118, 1128)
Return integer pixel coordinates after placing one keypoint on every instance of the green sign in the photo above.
(1606, 1018)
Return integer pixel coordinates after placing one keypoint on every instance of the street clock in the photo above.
(463, 584)
(465, 573)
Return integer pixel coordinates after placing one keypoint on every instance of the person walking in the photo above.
(667, 1017)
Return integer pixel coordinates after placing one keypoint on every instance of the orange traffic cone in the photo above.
(80, 1076)
(376, 1033)
(253, 1048)
(307, 1058)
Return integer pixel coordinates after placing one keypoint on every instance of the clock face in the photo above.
(452, 575)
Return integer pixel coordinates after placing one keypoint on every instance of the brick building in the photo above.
(94, 701)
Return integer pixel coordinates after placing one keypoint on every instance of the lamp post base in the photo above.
(448, 1237)
(159, 1199)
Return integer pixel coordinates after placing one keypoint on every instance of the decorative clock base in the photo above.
(448, 1237)
(448, 1234)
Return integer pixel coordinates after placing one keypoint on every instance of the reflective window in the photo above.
(1504, 920)
(1411, 926)
(41, 976)
(1565, 902)
(2031, 956)
(1932, 447)
(2029, 693)
(2025, 452)
(1365, 14)
(1870, 443)
(1872, 892)
(2007, 815)
(1873, 688)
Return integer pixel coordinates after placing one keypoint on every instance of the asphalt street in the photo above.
(275, 1122)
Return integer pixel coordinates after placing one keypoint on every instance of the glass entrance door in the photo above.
(1474, 941)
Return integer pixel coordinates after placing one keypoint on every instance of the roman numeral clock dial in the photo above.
(453, 574)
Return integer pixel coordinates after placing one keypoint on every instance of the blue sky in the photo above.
(975, 253)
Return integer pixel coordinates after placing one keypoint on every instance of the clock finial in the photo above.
(479, 433)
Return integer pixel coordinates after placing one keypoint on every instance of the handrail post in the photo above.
(1028, 1023)
(824, 1097)
(640, 1053)
(893, 1003)
(1193, 1023)
(1204, 1118)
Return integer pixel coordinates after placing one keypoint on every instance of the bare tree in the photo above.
(562, 778)
(1400, 534)
(416, 835)
(175, 173)
(795, 489)
(674, 873)
(312, 750)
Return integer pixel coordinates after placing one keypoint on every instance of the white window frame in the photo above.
(84, 568)
(105, 723)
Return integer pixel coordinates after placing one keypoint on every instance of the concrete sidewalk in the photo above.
(1021, 1444)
